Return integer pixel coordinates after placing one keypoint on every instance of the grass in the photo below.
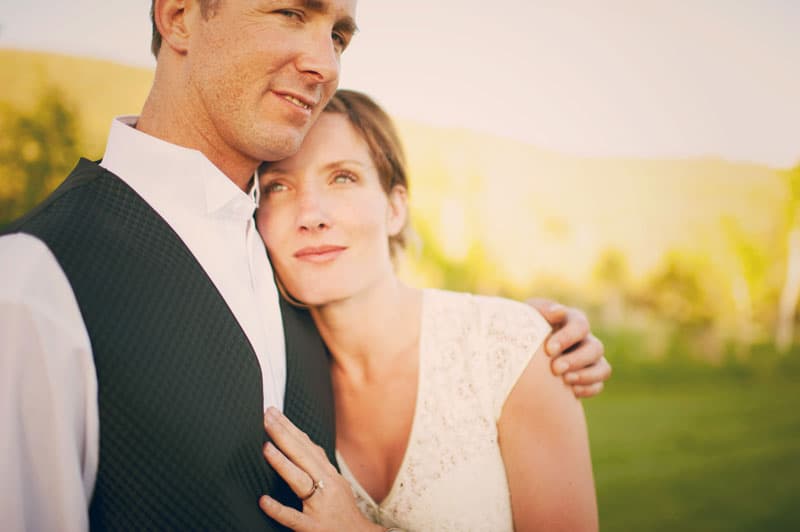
(717, 453)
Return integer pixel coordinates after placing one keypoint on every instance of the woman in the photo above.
(447, 416)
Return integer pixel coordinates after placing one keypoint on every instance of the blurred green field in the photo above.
(718, 450)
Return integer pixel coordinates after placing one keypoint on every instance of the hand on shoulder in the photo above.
(577, 355)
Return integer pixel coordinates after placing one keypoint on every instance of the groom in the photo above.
(142, 333)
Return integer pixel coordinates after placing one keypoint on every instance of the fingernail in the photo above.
(561, 366)
(266, 500)
(269, 447)
(554, 347)
(571, 377)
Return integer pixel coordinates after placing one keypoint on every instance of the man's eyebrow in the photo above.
(346, 24)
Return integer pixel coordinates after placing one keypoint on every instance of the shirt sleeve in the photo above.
(48, 394)
(511, 333)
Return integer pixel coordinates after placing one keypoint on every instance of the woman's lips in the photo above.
(319, 254)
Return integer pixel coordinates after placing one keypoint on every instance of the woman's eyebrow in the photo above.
(343, 162)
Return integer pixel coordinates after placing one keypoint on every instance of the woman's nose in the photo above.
(312, 215)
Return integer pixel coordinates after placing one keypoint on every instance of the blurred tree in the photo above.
(677, 292)
(612, 275)
(38, 148)
(463, 274)
(687, 296)
(790, 294)
(750, 269)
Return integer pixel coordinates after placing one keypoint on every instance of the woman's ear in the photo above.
(172, 20)
(397, 215)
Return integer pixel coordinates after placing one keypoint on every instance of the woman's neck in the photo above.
(366, 333)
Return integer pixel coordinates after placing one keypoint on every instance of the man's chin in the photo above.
(279, 148)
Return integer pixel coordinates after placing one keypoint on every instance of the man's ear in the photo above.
(398, 210)
(173, 22)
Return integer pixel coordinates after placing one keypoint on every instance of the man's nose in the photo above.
(320, 59)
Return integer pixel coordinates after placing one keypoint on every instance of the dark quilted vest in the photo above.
(179, 385)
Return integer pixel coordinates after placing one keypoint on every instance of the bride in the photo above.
(447, 415)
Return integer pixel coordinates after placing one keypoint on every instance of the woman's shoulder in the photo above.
(492, 338)
(490, 316)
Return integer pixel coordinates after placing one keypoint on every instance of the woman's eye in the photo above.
(343, 179)
(271, 188)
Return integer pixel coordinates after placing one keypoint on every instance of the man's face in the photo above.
(261, 71)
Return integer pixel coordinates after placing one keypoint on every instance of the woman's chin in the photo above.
(316, 298)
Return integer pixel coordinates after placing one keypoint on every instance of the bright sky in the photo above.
(651, 78)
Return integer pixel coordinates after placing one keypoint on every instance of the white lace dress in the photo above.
(472, 351)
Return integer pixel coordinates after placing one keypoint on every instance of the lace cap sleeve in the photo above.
(511, 332)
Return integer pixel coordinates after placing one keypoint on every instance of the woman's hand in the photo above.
(328, 501)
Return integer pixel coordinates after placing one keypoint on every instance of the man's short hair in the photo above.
(207, 8)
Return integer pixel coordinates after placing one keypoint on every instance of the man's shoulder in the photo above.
(85, 172)
(27, 261)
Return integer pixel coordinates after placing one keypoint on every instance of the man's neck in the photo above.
(162, 117)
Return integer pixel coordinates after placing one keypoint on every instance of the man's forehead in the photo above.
(343, 10)
(343, 7)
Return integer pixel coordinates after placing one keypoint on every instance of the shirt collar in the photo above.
(172, 177)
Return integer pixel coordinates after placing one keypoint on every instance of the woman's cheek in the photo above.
(266, 227)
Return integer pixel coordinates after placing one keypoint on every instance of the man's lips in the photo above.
(319, 253)
(297, 99)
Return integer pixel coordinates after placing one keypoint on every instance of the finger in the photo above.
(294, 444)
(599, 372)
(288, 517)
(319, 452)
(288, 425)
(297, 479)
(574, 329)
(581, 391)
(554, 313)
(589, 352)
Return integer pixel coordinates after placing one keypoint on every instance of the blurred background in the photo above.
(640, 160)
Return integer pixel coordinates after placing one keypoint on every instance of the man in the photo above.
(142, 333)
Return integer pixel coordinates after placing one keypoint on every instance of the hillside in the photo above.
(550, 209)
(100, 90)
(535, 212)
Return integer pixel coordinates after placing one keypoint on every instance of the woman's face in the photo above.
(325, 218)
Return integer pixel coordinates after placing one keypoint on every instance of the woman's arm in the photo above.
(545, 447)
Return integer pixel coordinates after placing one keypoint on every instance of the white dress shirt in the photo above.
(48, 384)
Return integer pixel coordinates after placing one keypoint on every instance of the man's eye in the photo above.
(289, 13)
(340, 40)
